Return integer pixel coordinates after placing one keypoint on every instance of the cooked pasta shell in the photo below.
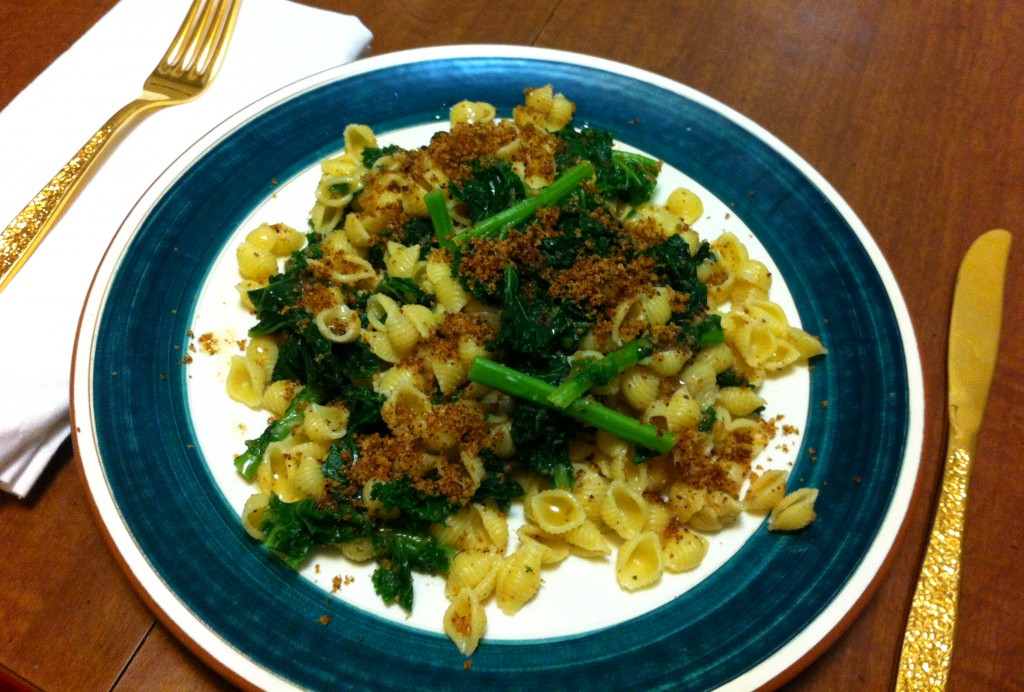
(555, 511)
(246, 381)
(795, 511)
(255, 262)
(719, 510)
(765, 491)
(252, 514)
(555, 549)
(683, 550)
(465, 621)
(587, 540)
(685, 204)
(471, 112)
(639, 563)
(624, 510)
(518, 579)
(473, 569)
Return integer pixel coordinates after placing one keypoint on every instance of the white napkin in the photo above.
(275, 43)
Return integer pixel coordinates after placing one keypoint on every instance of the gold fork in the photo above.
(186, 70)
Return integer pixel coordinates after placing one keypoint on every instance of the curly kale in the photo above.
(492, 187)
(398, 556)
(413, 503)
(538, 323)
(497, 485)
(679, 269)
(620, 175)
(373, 154)
(292, 529)
(542, 438)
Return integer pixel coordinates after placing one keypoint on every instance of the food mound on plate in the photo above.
(497, 351)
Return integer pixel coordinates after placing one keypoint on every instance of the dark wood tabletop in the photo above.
(913, 110)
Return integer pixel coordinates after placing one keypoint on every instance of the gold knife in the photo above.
(973, 344)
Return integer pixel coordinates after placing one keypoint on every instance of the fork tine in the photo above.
(177, 49)
(215, 44)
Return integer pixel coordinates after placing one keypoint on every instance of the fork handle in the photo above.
(23, 235)
(928, 640)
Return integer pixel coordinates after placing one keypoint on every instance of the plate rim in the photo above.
(200, 637)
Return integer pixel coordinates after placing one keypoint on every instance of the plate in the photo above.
(156, 476)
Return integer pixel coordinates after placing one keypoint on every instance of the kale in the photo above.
(372, 154)
(364, 418)
(248, 461)
(536, 324)
(363, 406)
(306, 356)
(731, 378)
(398, 556)
(292, 529)
(412, 502)
(496, 225)
(403, 290)
(276, 302)
(497, 485)
(701, 331)
(579, 234)
(619, 175)
(678, 265)
(417, 231)
(674, 261)
(492, 187)
(336, 460)
(542, 438)
(707, 419)
(550, 366)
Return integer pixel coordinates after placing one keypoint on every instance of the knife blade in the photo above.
(974, 329)
(974, 334)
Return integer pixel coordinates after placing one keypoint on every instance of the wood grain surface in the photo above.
(913, 110)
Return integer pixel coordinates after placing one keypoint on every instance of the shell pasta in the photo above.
(499, 352)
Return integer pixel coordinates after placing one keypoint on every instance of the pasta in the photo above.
(503, 243)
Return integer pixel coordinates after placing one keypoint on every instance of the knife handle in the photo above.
(928, 639)
(22, 236)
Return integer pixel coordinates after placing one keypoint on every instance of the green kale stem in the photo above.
(524, 209)
(518, 384)
(441, 219)
(598, 372)
(248, 461)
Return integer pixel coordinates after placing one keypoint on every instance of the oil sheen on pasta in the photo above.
(422, 266)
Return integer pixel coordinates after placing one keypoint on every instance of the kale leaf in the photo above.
(731, 378)
(403, 290)
(542, 438)
(372, 154)
(536, 324)
(306, 356)
(276, 302)
(398, 556)
(492, 187)
(678, 266)
(497, 485)
(707, 419)
(618, 175)
(580, 234)
(291, 529)
(412, 502)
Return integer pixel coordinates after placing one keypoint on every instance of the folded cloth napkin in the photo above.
(275, 43)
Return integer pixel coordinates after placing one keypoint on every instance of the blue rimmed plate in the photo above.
(146, 419)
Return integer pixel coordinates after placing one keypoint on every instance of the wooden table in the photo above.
(913, 110)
